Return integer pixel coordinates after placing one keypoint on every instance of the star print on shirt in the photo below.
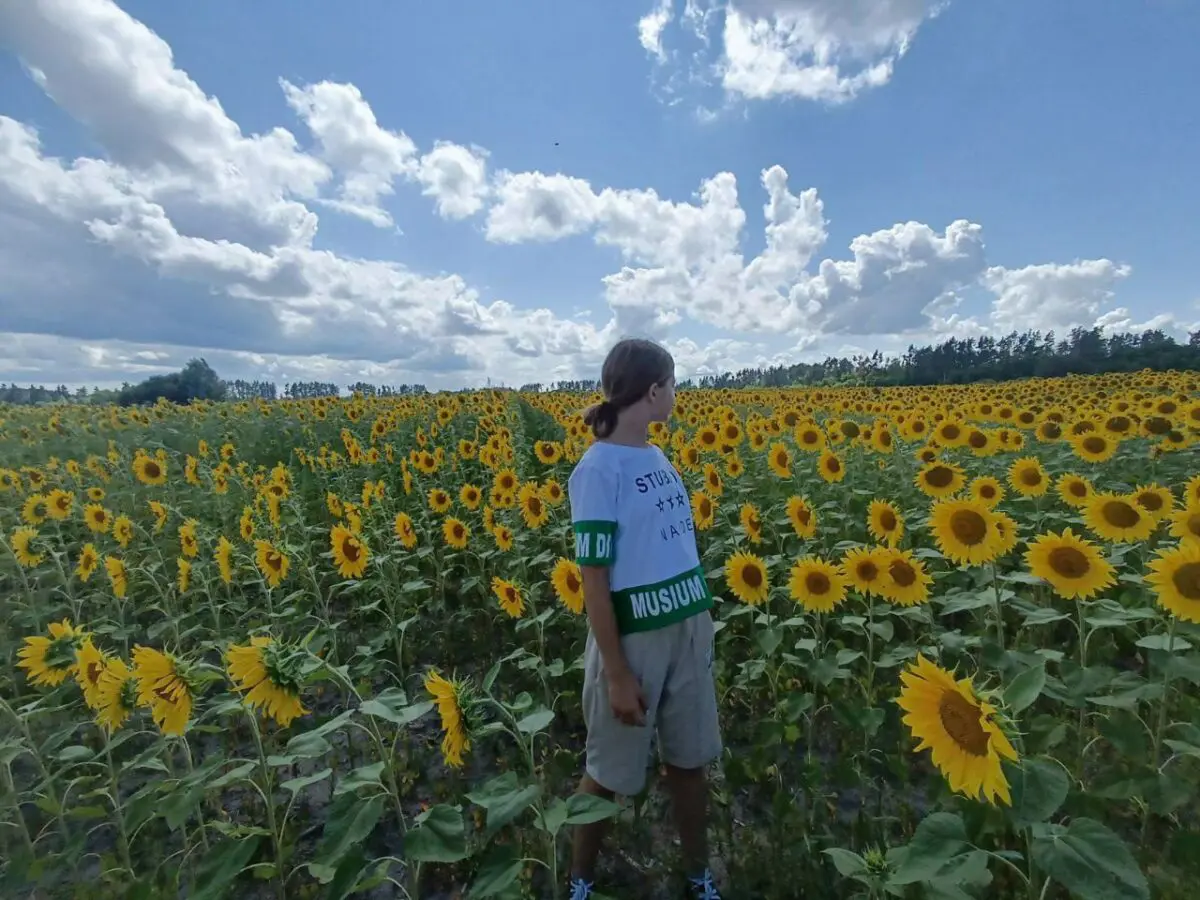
(661, 506)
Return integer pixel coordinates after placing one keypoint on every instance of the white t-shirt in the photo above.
(631, 512)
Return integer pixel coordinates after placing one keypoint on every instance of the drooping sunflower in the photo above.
(150, 470)
(118, 576)
(1007, 531)
(122, 530)
(1156, 500)
(449, 694)
(1175, 579)
(509, 596)
(189, 545)
(224, 558)
(89, 561)
(1075, 490)
(272, 562)
(1028, 477)
(116, 694)
(905, 581)
(533, 508)
(402, 526)
(1071, 564)
(863, 568)
(552, 492)
(164, 687)
(817, 585)
(183, 574)
(959, 729)
(746, 576)
(456, 534)
(49, 661)
(939, 479)
(987, 490)
(59, 504)
(965, 531)
(704, 510)
(751, 522)
(160, 515)
(503, 537)
(1185, 524)
(1116, 517)
(90, 664)
(779, 458)
(830, 467)
(246, 525)
(268, 674)
(885, 522)
(22, 547)
(568, 584)
(97, 518)
(350, 552)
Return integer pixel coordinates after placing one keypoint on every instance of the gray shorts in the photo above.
(674, 667)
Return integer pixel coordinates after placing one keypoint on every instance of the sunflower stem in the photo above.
(268, 802)
(118, 811)
(10, 792)
(1082, 665)
(1161, 725)
(999, 608)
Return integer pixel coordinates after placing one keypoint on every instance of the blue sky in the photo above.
(149, 219)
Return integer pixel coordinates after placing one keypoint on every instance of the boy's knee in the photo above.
(589, 785)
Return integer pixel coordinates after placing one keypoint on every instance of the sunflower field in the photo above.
(332, 647)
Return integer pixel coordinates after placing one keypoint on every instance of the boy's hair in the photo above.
(631, 368)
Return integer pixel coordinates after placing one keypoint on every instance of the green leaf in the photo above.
(344, 880)
(350, 821)
(1164, 642)
(221, 866)
(440, 836)
(1090, 861)
(496, 873)
(584, 809)
(363, 776)
(1023, 690)
(553, 816)
(296, 785)
(1039, 788)
(936, 841)
(237, 773)
(309, 745)
(75, 754)
(846, 862)
(397, 714)
(536, 721)
(504, 798)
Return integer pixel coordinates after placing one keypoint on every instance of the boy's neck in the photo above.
(630, 434)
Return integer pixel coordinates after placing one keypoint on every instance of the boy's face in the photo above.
(662, 400)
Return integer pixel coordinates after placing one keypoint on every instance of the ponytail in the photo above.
(601, 418)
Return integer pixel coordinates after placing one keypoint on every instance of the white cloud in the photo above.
(819, 50)
(1051, 296)
(456, 177)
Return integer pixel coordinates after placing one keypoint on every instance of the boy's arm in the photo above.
(624, 692)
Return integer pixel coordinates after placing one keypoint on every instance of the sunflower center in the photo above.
(833, 465)
(817, 583)
(1051, 430)
(987, 491)
(803, 515)
(152, 469)
(1187, 580)
(351, 550)
(1193, 524)
(1120, 514)
(1077, 489)
(978, 440)
(535, 506)
(1069, 562)
(753, 576)
(969, 527)
(572, 584)
(867, 570)
(902, 573)
(1157, 425)
(961, 719)
(940, 476)
(1150, 500)
(1031, 477)
(1118, 423)
(951, 432)
(887, 520)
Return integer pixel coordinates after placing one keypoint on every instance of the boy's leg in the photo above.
(586, 839)
(689, 805)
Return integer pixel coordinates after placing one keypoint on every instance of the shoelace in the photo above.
(582, 890)
(703, 888)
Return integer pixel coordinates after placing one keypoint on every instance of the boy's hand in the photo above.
(626, 698)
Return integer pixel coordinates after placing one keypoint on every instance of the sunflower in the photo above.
(548, 452)
(22, 547)
(164, 686)
(1185, 524)
(224, 558)
(333, 503)
(503, 537)
(122, 530)
(712, 481)
(439, 501)
(402, 526)
(965, 531)
(350, 552)
(904, 580)
(746, 575)
(150, 470)
(1156, 500)
(269, 676)
(940, 479)
(115, 694)
(1075, 490)
(1094, 447)
(97, 518)
(160, 515)
(34, 509)
(272, 562)
(59, 504)
(809, 437)
(884, 522)
(455, 533)
(89, 561)
(95, 494)
(1175, 579)
(817, 585)
(1028, 477)
(1116, 517)
(509, 596)
(1071, 564)
(470, 496)
(863, 568)
(246, 525)
(533, 508)
(90, 664)
(751, 522)
(704, 510)
(1006, 528)
(449, 694)
(960, 729)
(48, 661)
(987, 490)
(779, 458)
(188, 544)
(568, 584)
(118, 576)
(830, 467)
